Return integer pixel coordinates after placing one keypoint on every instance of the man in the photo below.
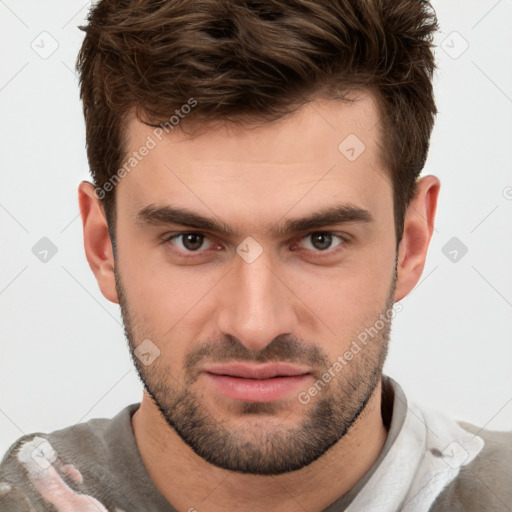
(257, 213)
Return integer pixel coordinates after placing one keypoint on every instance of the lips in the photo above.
(257, 383)
(265, 371)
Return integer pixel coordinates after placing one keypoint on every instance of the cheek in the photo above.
(167, 301)
(349, 295)
(347, 304)
(347, 298)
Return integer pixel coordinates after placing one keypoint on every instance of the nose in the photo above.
(255, 305)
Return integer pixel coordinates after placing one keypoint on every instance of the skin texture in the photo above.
(295, 303)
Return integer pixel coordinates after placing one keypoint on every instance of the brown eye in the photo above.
(192, 241)
(321, 241)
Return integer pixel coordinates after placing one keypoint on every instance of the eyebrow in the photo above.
(162, 215)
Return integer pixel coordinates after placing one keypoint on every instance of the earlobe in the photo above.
(97, 243)
(418, 229)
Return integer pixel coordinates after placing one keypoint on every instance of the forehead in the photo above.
(327, 152)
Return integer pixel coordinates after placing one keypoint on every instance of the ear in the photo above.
(418, 228)
(97, 243)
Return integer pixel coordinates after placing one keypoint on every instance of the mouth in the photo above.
(257, 383)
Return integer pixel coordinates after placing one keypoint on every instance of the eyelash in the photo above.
(344, 240)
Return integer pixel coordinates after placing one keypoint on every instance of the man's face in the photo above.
(208, 299)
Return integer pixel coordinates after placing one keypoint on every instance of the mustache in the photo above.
(283, 348)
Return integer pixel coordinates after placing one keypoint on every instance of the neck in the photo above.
(188, 482)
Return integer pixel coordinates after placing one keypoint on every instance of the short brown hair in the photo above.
(257, 60)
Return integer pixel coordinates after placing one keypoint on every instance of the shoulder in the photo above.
(38, 447)
(486, 482)
(40, 464)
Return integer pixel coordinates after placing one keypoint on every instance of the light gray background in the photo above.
(63, 354)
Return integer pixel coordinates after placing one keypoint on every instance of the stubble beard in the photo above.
(265, 447)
